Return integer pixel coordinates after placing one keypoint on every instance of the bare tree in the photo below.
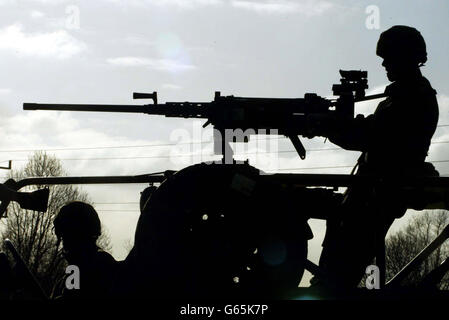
(404, 245)
(32, 231)
(104, 241)
(128, 245)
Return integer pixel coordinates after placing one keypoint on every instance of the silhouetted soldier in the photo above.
(394, 141)
(78, 226)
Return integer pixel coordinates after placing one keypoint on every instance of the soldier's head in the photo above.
(78, 226)
(403, 50)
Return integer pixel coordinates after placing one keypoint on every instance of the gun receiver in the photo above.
(281, 116)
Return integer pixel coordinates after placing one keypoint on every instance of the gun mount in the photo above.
(186, 188)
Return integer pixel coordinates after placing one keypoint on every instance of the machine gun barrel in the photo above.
(169, 109)
(85, 107)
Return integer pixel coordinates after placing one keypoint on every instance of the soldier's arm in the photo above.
(353, 134)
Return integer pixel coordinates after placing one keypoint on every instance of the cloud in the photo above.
(138, 40)
(25, 129)
(310, 8)
(4, 91)
(443, 103)
(48, 2)
(156, 64)
(59, 44)
(169, 86)
(35, 14)
(183, 4)
(47, 130)
(82, 143)
(442, 133)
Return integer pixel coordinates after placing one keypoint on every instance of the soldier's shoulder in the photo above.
(412, 88)
(424, 87)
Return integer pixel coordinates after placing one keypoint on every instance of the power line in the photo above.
(338, 167)
(129, 158)
(134, 146)
(186, 155)
(313, 168)
(117, 210)
(196, 155)
(106, 147)
(164, 145)
(121, 203)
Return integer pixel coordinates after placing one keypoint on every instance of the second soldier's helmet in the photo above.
(77, 219)
(402, 43)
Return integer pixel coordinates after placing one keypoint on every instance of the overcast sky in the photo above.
(60, 51)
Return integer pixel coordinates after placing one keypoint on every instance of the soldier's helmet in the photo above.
(77, 220)
(402, 43)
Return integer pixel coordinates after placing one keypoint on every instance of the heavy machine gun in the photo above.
(236, 118)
